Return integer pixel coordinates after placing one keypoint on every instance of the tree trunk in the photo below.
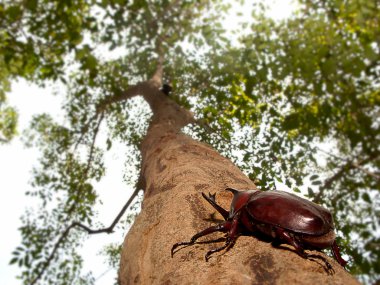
(175, 170)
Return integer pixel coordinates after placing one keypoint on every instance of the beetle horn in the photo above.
(232, 190)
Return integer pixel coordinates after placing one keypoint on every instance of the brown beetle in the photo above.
(283, 216)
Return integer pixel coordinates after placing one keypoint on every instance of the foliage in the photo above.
(8, 115)
(302, 89)
(271, 101)
(8, 122)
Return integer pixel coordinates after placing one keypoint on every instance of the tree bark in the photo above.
(175, 170)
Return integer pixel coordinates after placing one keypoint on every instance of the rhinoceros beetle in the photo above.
(283, 216)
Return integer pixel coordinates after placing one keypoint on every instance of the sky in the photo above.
(17, 161)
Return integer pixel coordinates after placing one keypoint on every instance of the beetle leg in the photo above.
(228, 243)
(289, 239)
(218, 228)
(329, 267)
(211, 199)
(284, 235)
(231, 238)
(336, 253)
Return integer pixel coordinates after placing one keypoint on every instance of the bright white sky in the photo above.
(15, 169)
(16, 163)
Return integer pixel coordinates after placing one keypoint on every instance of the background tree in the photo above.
(271, 101)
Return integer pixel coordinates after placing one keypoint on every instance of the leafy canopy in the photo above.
(294, 101)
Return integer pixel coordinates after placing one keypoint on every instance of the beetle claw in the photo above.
(185, 243)
(328, 267)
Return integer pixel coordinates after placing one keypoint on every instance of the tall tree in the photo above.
(175, 169)
(267, 101)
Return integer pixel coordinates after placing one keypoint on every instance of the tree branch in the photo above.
(51, 256)
(129, 93)
(84, 130)
(358, 164)
(366, 171)
(109, 229)
(132, 91)
(89, 231)
(328, 183)
(89, 160)
(349, 164)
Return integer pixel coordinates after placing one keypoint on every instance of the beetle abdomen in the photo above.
(290, 212)
(321, 242)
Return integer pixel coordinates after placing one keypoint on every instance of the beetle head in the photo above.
(240, 199)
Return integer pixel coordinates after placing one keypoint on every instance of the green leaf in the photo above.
(109, 144)
(14, 12)
(31, 5)
(310, 192)
(314, 177)
(291, 122)
(13, 260)
(366, 197)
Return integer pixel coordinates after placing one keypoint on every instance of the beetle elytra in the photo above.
(280, 215)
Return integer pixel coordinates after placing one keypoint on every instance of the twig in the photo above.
(51, 256)
(84, 130)
(328, 182)
(104, 273)
(369, 173)
(89, 160)
(90, 231)
(357, 165)
(116, 220)
(96, 131)
(346, 167)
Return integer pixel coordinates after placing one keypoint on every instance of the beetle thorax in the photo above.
(240, 200)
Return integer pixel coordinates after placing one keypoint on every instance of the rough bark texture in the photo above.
(175, 170)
